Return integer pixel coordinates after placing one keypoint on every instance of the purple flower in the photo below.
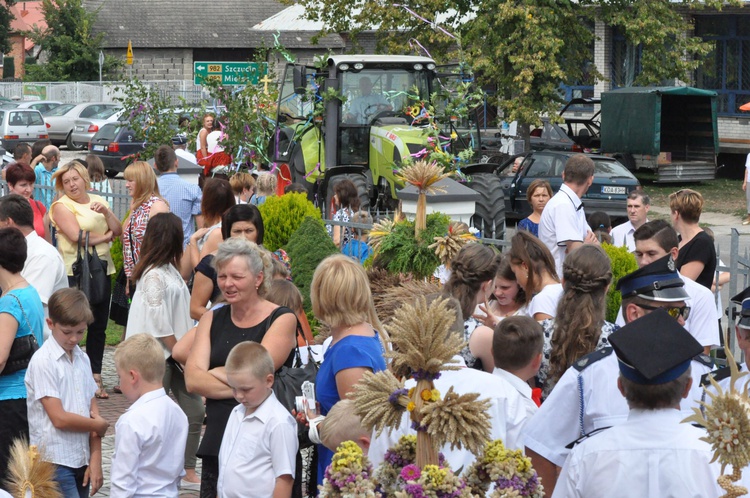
(410, 473)
(393, 397)
(422, 375)
(415, 490)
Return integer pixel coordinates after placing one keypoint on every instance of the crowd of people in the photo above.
(211, 318)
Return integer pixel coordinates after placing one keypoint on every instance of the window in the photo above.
(625, 62)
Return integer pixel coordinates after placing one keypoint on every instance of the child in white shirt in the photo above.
(150, 436)
(63, 415)
(517, 345)
(259, 447)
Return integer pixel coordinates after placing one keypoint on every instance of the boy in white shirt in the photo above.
(150, 436)
(343, 424)
(63, 415)
(259, 447)
(517, 345)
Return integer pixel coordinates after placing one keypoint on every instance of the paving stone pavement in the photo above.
(111, 409)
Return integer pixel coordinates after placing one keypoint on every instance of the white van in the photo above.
(21, 125)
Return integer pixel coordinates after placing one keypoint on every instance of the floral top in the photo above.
(529, 226)
(345, 215)
(471, 361)
(133, 232)
(549, 328)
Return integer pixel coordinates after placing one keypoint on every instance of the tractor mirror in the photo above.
(299, 80)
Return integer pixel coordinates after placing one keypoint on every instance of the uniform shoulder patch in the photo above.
(704, 360)
(591, 358)
(718, 375)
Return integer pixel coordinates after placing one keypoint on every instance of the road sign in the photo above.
(129, 56)
(229, 73)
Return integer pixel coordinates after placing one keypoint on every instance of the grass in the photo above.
(721, 195)
(113, 332)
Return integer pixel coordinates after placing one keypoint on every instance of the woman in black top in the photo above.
(697, 256)
(241, 268)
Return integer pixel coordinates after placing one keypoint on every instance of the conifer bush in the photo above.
(282, 216)
(623, 263)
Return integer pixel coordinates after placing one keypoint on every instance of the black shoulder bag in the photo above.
(90, 272)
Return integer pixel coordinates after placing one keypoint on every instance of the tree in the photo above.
(6, 17)
(527, 48)
(71, 48)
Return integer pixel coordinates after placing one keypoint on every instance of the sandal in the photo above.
(117, 389)
(100, 393)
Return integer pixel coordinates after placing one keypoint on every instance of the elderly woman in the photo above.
(697, 256)
(21, 178)
(341, 298)
(21, 315)
(77, 210)
(243, 274)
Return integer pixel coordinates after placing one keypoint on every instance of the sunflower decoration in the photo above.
(447, 246)
(726, 418)
(423, 176)
(29, 475)
(422, 349)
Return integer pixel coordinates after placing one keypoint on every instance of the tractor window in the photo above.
(292, 106)
(371, 92)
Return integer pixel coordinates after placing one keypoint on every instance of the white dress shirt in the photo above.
(507, 413)
(622, 235)
(149, 448)
(44, 269)
(523, 388)
(561, 419)
(52, 374)
(256, 449)
(702, 321)
(563, 219)
(161, 305)
(651, 455)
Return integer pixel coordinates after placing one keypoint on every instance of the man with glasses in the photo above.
(657, 239)
(586, 398)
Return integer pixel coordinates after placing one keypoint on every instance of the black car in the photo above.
(608, 193)
(115, 144)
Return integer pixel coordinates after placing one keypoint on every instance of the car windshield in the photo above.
(609, 168)
(59, 110)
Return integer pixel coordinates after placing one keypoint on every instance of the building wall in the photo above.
(17, 43)
(158, 64)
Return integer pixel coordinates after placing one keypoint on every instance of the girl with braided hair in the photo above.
(534, 267)
(579, 327)
(472, 272)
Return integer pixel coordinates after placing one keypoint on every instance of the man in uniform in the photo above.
(586, 398)
(651, 454)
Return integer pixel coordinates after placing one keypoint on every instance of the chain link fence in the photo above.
(76, 92)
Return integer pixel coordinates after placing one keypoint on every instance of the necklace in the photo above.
(13, 286)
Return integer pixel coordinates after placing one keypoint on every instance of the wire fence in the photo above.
(76, 92)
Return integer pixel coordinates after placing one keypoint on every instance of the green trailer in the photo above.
(671, 130)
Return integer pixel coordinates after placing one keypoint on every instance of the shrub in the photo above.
(116, 251)
(401, 252)
(282, 216)
(623, 263)
(307, 247)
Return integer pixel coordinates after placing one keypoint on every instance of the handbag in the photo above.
(90, 272)
(287, 384)
(22, 349)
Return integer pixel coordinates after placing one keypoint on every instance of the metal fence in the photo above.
(739, 279)
(76, 92)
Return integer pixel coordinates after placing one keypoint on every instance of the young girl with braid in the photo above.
(579, 327)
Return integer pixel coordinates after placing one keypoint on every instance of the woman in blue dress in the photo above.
(538, 193)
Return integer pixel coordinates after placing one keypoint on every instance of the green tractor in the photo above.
(354, 118)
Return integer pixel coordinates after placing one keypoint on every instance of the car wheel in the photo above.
(489, 215)
(70, 144)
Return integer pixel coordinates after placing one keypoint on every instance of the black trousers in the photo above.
(97, 333)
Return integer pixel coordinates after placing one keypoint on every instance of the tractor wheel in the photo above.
(360, 181)
(489, 215)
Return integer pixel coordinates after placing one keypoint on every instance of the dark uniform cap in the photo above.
(658, 281)
(654, 349)
(743, 299)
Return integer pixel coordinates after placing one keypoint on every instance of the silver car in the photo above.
(21, 125)
(85, 129)
(61, 121)
(38, 105)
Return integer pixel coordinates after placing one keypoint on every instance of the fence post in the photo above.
(734, 264)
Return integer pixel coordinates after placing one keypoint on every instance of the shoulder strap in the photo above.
(718, 375)
(704, 360)
(581, 439)
(23, 312)
(592, 358)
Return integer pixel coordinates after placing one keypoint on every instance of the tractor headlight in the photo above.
(418, 67)
(343, 67)
(358, 66)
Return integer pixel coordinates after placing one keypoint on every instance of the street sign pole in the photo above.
(101, 64)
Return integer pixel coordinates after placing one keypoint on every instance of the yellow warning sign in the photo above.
(129, 57)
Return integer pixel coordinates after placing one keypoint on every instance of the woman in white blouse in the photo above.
(534, 267)
(161, 307)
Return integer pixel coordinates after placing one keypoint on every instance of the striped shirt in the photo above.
(184, 200)
(52, 374)
(44, 179)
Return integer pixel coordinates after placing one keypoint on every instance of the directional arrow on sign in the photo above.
(200, 68)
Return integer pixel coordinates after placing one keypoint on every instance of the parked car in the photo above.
(585, 131)
(550, 136)
(38, 105)
(21, 125)
(114, 143)
(61, 121)
(85, 129)
(609, 191)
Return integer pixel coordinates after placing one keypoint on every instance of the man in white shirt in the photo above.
(638, 207)
(44, 268)
(654, 240)
(367, 105)
(563, 225)
(652, 453)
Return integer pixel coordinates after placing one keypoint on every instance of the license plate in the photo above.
(79, 128)
(98, 147)
(613, 190)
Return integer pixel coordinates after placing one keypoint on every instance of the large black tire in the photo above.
(360, 181)
(489, 216)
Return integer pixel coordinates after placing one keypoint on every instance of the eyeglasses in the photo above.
(674, 311)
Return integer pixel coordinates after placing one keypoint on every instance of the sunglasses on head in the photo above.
(674, 311)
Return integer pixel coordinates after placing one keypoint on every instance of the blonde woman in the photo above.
(76, 210)
(341, 298)
(265, 186)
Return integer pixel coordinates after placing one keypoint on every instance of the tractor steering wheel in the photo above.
(384, 114)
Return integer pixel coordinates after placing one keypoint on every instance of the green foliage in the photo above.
(308, 246)
(401, 252)
(71, 48)
(150, 114)
(623, 263)
(282, 216)
(9, 67)
(117, 258)
(5, 19)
